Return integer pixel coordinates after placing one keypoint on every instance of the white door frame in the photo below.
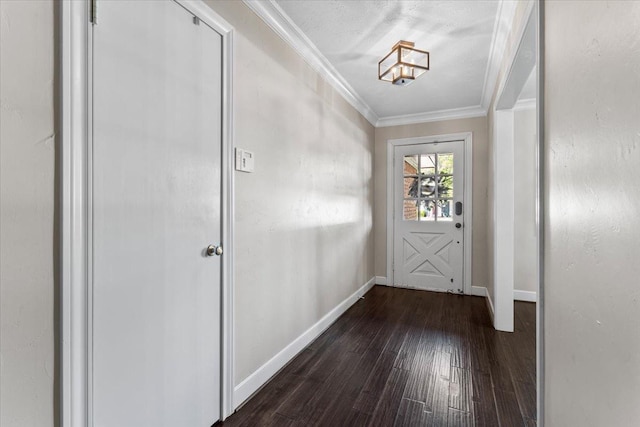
(467, 137)
(521, 63)
(503, 220)
(75, 226)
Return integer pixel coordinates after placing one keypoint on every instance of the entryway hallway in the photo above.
(407, 358)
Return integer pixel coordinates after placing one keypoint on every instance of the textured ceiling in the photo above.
(355, 35)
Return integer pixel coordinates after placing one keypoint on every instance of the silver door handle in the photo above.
(214, 250)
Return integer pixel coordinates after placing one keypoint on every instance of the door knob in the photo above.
(214, 250)
(458, 225)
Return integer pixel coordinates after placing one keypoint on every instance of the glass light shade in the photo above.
(403, 64)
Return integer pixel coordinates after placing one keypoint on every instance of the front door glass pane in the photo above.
(428, 187)
(410, 210)
(411, 165)
(427, 210)
(410, 187)
(445, 210)
(428, 164)
(445, 186)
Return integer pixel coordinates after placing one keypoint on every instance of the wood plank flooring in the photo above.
(403, 357)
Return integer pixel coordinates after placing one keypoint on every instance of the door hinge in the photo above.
(93, 18)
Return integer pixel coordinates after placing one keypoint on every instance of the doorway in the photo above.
(429, 205)
(429, 216)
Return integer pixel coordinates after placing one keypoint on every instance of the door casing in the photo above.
(467, 137)
(75, 125)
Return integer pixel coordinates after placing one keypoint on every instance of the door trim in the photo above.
(75, 126)
(521, 62)
(467, 137)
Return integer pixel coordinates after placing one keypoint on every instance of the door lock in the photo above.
(458, 225)
(214, 250)
(458, 208)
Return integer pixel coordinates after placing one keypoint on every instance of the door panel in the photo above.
(156, 206)
(428, 246)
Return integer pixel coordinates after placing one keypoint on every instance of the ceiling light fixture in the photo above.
(403, 64)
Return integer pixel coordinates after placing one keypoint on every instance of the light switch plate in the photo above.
(244, 160)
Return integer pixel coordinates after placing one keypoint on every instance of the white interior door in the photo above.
(429, 216)
(156, 191)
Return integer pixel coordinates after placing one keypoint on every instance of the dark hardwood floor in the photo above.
(402, 357)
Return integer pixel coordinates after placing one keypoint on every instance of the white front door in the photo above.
(429, 216)
(156, 173)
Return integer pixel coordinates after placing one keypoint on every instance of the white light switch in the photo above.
(244, 160)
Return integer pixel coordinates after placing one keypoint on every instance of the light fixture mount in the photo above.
(403, 64)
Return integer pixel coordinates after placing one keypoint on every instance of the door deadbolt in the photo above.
(214, 250)
(458, 208)
(458, 225)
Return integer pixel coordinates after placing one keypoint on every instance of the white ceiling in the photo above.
(354, 35)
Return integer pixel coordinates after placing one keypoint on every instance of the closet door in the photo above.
(156, 188)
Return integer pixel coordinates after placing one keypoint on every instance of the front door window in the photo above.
(428, 187)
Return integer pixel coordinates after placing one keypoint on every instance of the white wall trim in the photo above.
(75, 224)
(479, 291)
(467, 137)
(74, 124)
(525, 104)
(527, 296)
(492, 313)
(279, 21)
(520, 60)
(433, 116)
(501, 30)
(541, 208)
(520, 66)
(263, 374)
(503, 219)
(381, 280)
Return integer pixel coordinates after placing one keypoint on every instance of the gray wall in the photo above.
(525, 268)
(592, 144)
(26, 213)
(304, 238)
(478, 126)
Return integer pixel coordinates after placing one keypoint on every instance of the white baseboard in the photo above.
(381, 280)
(490, 305)
(527, 296)
(256, 380)
(479, 291)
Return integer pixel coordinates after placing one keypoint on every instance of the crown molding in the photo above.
(433, 116)
(279, 21)
(501, 30)
(525, 104)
